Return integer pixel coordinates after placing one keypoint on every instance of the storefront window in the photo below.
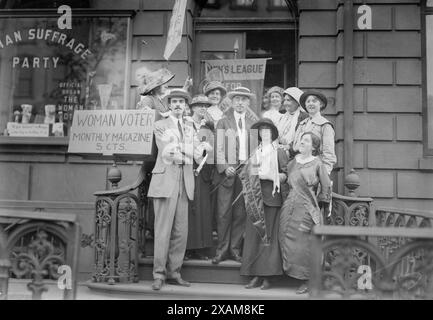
(47, 73)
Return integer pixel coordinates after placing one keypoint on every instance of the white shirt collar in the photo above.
(239, 115)
(176, 120)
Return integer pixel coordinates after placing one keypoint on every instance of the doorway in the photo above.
(279, 46)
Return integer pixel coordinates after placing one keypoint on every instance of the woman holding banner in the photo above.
(152, 87)
(261, 256)
(301, 211)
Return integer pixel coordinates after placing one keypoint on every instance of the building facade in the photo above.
(376, 80)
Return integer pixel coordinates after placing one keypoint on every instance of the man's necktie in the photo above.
(240, 123)
(179, 126)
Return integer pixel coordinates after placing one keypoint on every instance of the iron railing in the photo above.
(347, 264)
(34, 245)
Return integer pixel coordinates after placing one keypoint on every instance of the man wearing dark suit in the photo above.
(232, 149)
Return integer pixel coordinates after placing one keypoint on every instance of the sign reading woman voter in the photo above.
(108, 132)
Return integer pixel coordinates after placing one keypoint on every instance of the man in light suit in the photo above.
(171, 186)
(232, 149)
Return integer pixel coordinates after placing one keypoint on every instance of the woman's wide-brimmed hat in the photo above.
(241, 91)
(294, 92)
(275, 89)
(213, 85)
(200, 100)
(179, 93)
(149, 80)
(317, 94)
(265, 122)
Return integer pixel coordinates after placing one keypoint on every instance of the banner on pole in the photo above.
(174, 36)
(249, 73)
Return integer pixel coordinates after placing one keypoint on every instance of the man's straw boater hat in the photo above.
(200, 100)
(149, 80)
(178, 93)
(241, 91)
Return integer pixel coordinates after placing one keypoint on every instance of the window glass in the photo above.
(46, 73)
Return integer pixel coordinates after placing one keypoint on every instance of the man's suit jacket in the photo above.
(227, 139)
(170, 148)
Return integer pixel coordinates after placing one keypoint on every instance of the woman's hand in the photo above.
(230, 172)
(187, 84)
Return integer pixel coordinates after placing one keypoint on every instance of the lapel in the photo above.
(232, 121)
(173, 128)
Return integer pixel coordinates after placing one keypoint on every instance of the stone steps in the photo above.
(203, 271)
(197, 291)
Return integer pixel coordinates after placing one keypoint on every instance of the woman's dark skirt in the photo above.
(258, 259)
(200, 214)
(295, 242)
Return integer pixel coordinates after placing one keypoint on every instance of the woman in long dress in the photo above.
(301, 211)
(200, 209)
(261, 260)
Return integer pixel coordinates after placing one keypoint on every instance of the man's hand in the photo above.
(282, 177)
(206, 146)
(230, 172)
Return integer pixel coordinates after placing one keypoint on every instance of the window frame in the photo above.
(425, 11)
(6, 141)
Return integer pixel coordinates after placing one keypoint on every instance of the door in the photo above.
(215, 46)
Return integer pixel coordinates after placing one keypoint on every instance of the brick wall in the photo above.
(388, 149)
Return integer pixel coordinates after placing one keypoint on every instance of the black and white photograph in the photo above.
(223, 153)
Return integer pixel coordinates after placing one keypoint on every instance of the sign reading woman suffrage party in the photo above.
(108, 132)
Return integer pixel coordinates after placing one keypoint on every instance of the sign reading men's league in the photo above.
(109, 132)
(236, 73)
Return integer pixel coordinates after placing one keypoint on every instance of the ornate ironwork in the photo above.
(350, 211)
(117, 221)
(36, 248)
(405, 273)
(87, 240)
(41, 260)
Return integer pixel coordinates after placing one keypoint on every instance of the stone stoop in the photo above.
(203, 271)
(197, 291)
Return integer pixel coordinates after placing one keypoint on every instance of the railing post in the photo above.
(316, 266)
(351, 210)
(116, 233)
(5, 265)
